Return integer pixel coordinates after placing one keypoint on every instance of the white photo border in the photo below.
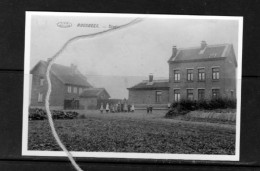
(26, 152)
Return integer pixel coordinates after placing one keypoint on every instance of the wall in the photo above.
(147, 96)
(89, 103)
(230, 76)
(72, 95)
(92, 102)
(56, 97)
(208, 84)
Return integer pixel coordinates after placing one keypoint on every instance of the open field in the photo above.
(134, 132)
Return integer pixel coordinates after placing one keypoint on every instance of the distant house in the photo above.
(67, 86)
(204, 72)
(149, 92)
(91, 96)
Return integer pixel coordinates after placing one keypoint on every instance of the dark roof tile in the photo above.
(156, 84)
(211, 51)
(66, 75)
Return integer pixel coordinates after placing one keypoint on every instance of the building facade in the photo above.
(67, 86)
(149, 92)
(198, 73)
(90, 97)
(202, 73)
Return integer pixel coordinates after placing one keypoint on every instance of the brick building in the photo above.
(149, 92)
(67, 86)
(91, 96)
(203, 72)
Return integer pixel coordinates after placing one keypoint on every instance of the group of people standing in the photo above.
(118, 107)
(149, 109)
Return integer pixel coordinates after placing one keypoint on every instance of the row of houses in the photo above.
(203, 72)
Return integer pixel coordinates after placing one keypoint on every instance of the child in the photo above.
(132, 108)
(112, 110)
(151, 108)
(116, 107)
(119, 107)
(169, 106)
(101, 108)
(107, 108)
(125, 107)
(128, 108)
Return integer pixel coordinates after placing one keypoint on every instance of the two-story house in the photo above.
(67, 85)
(204, 72)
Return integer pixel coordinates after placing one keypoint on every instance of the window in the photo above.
(80, 90)
(190, 74)
(201, 94)
(201, 74)
(69, 89)
(190, 94)
(215, 93)
(177, 96)
(158, 96)
(215, 73)
(177, 75)
(41, 81)
(40, 97)
(75, 90)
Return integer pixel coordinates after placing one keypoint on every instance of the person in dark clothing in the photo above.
(107, 108)
(128, 108)
(147, 108)
(119, 107)
(122, 107)
(151, 108)
(125, 107)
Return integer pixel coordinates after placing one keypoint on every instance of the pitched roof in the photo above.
(66, 74)
(93, 92)
(195, 53)
(155, 84)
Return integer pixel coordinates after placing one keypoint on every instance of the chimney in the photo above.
(174, 51)
(150, 78)
(203, 44)
(73, 68)
(49, 60)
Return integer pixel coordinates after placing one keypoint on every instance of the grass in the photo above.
(133, 132)
(221, 116)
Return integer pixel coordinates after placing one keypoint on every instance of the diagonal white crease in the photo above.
(51, 61)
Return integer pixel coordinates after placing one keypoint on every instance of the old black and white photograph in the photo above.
(132, 86)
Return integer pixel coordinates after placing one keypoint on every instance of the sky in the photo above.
(129, 54)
